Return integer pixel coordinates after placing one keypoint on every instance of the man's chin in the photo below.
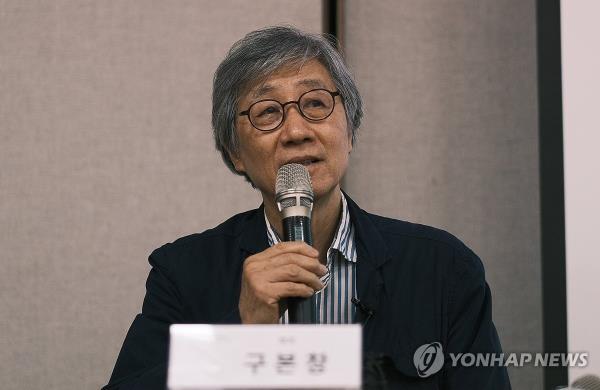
(322, 192)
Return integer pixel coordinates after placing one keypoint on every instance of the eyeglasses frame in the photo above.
(332, 93)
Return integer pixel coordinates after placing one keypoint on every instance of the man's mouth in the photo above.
(306, 161)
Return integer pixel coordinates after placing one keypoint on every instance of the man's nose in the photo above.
(295, 128)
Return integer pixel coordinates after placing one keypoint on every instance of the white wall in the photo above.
(581, 109)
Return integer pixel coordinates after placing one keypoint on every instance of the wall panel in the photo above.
(106, 153)
(450, 138)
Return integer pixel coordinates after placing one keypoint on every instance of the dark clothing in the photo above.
(416, 285)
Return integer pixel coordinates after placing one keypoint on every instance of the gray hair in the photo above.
(260, 53)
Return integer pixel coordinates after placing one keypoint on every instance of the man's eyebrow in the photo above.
(264, 89)
(310, 83)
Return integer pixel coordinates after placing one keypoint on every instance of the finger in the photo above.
(292, 289)
(294, 273)
(262, 265)
(308, 263)
(299, 247)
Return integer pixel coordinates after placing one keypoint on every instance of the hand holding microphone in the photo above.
(289, 269)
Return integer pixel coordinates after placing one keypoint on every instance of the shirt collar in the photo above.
(343, 241)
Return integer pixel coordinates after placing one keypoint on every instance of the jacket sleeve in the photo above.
(471, 330)
(142, 362)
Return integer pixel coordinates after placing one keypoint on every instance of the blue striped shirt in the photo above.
(334, 302)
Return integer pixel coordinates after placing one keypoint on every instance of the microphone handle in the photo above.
(297, 228)
(300, 310)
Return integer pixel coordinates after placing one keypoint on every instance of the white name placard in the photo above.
(265, 356)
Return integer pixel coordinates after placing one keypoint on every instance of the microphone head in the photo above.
(293, 177)
(293, 190)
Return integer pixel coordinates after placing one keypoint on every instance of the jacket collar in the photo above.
(372, 255)
(253, 235)
(367, 236)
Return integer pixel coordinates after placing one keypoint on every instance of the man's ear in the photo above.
(238, 164)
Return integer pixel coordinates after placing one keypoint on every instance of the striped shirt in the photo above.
(333, 304)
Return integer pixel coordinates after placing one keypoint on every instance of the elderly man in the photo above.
(282, 96)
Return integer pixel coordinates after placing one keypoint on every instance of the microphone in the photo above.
(365, 309)
(294, 197)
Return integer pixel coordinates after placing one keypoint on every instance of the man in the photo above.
(281, 96)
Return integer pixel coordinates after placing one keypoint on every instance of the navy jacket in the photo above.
(417, 285)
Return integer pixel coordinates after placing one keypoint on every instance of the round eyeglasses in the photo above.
(269, 114)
